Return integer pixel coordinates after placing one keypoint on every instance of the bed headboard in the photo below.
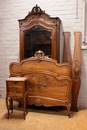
(39, 63)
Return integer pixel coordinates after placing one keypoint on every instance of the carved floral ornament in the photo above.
(77, 70)
(35, 80)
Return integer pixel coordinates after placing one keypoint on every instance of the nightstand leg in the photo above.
(24, 107)
(11, 105)
(7, 106)
(26, 101)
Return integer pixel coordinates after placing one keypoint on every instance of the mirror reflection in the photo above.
(37, 38)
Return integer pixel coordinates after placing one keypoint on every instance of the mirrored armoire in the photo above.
(39, 31)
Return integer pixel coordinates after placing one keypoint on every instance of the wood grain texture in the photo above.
(76, 70)
(66, 50)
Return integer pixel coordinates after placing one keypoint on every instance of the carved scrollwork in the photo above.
(35, 80)
(39, 54)
(14, 90)
(77, 70)
(37, 101)
(37, 9)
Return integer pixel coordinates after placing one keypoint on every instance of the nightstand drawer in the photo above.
(15, 91)
(15, 83)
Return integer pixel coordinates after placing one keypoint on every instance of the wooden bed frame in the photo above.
(48, 83)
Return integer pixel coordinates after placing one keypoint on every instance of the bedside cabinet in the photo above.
(16, 87)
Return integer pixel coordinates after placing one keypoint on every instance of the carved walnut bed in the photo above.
(48, 83)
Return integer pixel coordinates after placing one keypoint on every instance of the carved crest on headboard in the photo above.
(40, 54)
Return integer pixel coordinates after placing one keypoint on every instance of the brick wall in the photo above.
(11, 11)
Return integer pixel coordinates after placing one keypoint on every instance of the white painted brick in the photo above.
(82, 104)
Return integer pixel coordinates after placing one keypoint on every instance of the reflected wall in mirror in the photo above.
(39, 31)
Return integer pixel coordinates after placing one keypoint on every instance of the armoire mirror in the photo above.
(37, 38)
(39, 31)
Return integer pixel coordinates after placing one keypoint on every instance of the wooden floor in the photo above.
(41, 119)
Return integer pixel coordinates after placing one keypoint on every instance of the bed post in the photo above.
(66, 51)
(76, 70)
